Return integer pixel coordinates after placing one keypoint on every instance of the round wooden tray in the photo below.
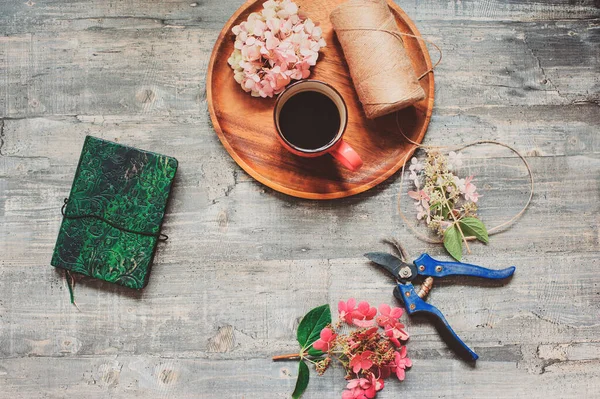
(245, 124)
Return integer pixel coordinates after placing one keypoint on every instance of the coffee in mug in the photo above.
(311, 118)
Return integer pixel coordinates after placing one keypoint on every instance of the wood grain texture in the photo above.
(246, 127)
(244, 262)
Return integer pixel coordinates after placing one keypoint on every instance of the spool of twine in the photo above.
(381, 70)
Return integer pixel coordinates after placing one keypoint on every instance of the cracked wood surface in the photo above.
(244, 263)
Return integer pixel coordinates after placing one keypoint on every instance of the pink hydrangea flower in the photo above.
(346, 309)
(395, 341)
(388, 315)
(401, 362)
(422, 204)
(300, 71)
(355, 393)
(418, 195)
(378, 383)
(361, 361)
(326, 340)
(364, 315)
(396, 330)
(470, 191)
(274, 46)
(368, 355)
(359, 388)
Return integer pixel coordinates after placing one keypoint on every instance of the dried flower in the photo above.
(419, 195)
(446, 202)
(273, 47)
(454, 160)
(415, 165)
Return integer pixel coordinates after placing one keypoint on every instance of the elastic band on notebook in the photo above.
(160, 236)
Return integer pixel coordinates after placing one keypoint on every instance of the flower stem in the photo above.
(455, 220)
(287, 357)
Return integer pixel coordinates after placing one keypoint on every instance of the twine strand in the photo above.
(71, 286)
(160, 236)
(398, 35)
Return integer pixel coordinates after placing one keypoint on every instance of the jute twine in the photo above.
(381, 70)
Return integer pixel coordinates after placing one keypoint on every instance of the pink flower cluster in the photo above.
(368, 355)
(273, 47)
(363, 315)
(468, 189)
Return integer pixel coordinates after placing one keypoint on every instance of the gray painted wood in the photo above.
(244, 263)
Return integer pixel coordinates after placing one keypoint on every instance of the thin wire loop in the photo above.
(494, 230)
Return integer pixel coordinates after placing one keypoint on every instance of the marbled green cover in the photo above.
(128, 187)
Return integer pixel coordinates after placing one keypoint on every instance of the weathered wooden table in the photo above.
(243, 263)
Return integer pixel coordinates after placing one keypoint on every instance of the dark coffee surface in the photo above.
(309, 120)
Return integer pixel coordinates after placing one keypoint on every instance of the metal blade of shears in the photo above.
(394, 265)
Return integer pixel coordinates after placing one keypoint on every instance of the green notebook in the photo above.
(112, 219)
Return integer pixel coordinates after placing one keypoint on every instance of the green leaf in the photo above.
(302, 381)
(311, 325)
(474, 227)
(314, 352)
(453, 242)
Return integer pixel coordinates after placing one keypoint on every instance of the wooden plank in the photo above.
(338, 230)
(212, 189)
(111, 72)
(77, 15)
(197, 300)
(143, 376)
(161, 71)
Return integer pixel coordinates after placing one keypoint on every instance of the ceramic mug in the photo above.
(337, 147)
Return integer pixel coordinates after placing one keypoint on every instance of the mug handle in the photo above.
(346, 156)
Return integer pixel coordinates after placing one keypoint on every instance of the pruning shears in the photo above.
(429, 268)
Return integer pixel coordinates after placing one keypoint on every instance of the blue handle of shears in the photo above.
(414, 304)
(427, 266)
